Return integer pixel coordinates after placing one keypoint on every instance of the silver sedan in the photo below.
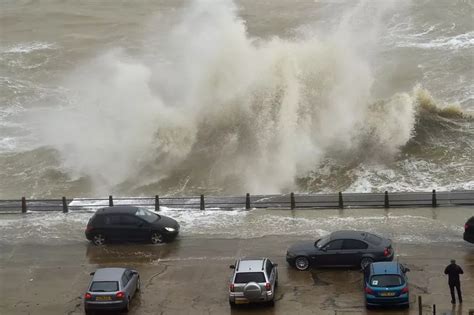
(111, 289)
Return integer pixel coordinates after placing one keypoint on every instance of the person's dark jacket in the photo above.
(453, 271)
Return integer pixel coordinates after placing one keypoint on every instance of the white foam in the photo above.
(460, 41)
(26, 48)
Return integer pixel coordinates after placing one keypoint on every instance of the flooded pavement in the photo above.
(46, 261)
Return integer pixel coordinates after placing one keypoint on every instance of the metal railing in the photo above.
(284, 201)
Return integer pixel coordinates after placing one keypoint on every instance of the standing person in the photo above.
(453, 271)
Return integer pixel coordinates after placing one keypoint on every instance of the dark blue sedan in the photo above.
(386, 283)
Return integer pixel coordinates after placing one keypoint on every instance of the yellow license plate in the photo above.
(241, 301)
(103, 298)
(387, 294)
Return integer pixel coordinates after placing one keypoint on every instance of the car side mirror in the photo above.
(232, 267)
(92, 273)
(324, 249)
(275, 265)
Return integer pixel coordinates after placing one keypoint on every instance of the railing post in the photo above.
(433, 199)
(23, 205)
(434, 309)
(386, 202)
(111, 201)
(247, 201)
(420, 306)
(292, 201)
(65, 207)
(202, 205)
(157, 203)
(341, 202)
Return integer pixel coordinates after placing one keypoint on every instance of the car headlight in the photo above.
(169, 229)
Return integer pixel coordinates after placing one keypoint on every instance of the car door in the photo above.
(271, 273)
(328, 255)
(132, 282)
(352, 252)
(112, 228)
(133, 228)
(126, 284)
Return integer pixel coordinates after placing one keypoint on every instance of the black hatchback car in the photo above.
(128, 224)
(469, 230)
(341, 248)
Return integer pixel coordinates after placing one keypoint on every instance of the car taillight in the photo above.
(268, 286)
(89, 228)
(465, 226)
(405, 290)
(231, 287)
(120, 295)
(369, 290)
(87, 296)
(387, 251)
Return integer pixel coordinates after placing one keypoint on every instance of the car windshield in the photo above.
(147, 215)
(104, 286)
(245, 277)
(322, 242)
(386, 281)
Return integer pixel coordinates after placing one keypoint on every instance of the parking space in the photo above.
(190, 276)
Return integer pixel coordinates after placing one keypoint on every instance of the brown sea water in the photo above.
(222, 97)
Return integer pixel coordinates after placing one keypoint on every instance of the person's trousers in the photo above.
(458, 289)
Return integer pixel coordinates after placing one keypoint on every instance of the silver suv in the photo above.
(253, 281)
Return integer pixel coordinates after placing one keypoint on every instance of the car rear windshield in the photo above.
(104, 286)
(245, 277)
(386, 281)
(147, 215)
(374, 239)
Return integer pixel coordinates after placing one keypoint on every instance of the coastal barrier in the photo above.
(289, 201)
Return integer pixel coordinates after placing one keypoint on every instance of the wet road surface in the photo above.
(46, 262)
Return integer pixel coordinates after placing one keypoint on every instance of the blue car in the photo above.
(386, 283)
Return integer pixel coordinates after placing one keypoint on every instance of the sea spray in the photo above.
(219, 109)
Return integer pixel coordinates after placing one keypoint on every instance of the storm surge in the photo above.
(206, 107)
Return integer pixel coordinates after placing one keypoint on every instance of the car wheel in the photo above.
(232, 304)
(302, 263)
(271, 303)
(366, 261)
(156, 238)
(98, 239)
(127, 306)
(139, 285)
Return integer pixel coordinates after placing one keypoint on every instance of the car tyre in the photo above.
(232, 304)
(139, 285)
(271, 303)
(156, 238)
(98, 239)
(127, 306)
(365, 262)
(302, 263)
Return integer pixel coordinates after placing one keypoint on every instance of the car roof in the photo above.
(250, 264)
(359, 235)
(108, 274)
(385, 268)
(117, 210)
